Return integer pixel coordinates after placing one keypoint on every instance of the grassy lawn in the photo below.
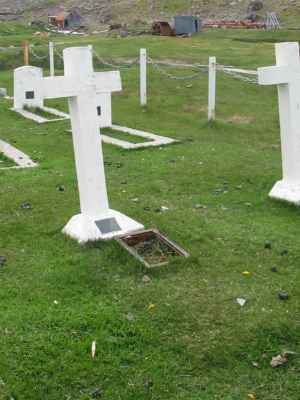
(196, 343)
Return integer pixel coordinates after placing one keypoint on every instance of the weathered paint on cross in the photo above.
(287, 76)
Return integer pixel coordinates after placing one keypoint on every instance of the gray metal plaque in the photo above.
(108, 225)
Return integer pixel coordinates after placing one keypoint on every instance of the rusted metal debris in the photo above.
(162, 28)
(239, 24)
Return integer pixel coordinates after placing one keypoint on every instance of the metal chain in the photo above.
(36, 55)
(109, 64)
(241, 77)
(58, 54)
(174, 77)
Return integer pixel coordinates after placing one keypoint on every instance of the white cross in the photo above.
(286, 74)
(97, 220)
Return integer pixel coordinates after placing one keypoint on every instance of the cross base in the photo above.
(289, 192)
(108, 225)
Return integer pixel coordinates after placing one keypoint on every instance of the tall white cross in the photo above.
(96, 220)
(286, 74)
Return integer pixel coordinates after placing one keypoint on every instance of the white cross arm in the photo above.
(276, 75)
(108, 82)
(60, 86)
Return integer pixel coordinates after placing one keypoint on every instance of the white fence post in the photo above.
(51, 58)
(143, 77)
(212, 72)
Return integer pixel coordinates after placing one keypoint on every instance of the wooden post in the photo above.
(212, 72)
(26, 52)
(51, 59)
(143, 77)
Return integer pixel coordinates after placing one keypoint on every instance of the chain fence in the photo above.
(242, 75)
(37, 56)
(157, 67)
(110, 63)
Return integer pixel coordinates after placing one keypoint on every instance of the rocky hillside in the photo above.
(140, 11)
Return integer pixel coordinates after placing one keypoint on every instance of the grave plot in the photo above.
(138, 138)
(29, 101)
(149, 139)
(13, 158)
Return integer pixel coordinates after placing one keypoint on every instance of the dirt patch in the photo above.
(240, 119)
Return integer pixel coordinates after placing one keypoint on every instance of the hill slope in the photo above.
(131, 11)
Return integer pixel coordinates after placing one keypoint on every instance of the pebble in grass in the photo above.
(268, 245)
(2, 261)
(60, 188)
(26, 206)
(274, 269)
(283, 296)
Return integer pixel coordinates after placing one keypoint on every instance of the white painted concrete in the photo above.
(153, 140)
(96, 220)
(212, 73)
(28, 92)
(143, 77)
(51, 59)
(27, 77)
(21, 159)
(286, 74)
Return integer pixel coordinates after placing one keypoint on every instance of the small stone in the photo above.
(130, 317)
(283, 296)
(26, 206)
(60, 188)
(135, 200)
(96, 393)
(124, 183)
(279, 360)
(146, 279)
(163, 208)
(2, 261)
(268, 245)
(241, 301)
(146, 208)
(274, 269)
(199, 206)
(284, 252)
(3, 92)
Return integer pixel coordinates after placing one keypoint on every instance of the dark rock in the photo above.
(26, 206)
(283, 296)
(274, 269)
(268, 245)
(284, 252)
(60, 188)
(96, 393)
(2, 261)
(147, 209)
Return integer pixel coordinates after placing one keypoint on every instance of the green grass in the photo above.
(5, 162)
(197, 343)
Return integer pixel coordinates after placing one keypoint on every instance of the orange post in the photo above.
(26, 52)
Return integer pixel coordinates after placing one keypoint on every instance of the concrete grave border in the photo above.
(155, 140)
(21, 159)
(42, 120)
